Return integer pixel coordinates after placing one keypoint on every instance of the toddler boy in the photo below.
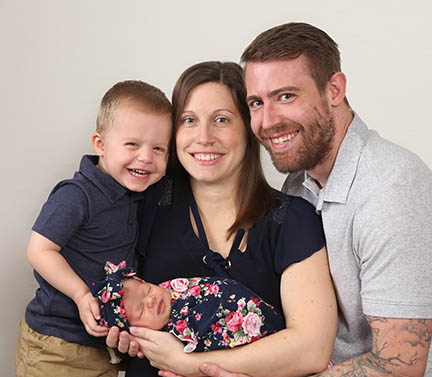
(87, 220)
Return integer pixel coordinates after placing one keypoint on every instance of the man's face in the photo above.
(288, 114)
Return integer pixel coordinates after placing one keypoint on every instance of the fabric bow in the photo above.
(110, 294)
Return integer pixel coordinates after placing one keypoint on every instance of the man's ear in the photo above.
(336, 88)
(98, 144)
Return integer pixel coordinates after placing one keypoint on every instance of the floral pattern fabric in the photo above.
(216, 312)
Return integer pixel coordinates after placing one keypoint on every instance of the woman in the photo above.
(218, 216)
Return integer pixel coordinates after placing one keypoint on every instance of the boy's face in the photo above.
(146, 304)
(134, 149)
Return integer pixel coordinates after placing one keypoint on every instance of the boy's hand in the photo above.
(89, 313)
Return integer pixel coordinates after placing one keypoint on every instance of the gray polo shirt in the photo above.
(377, 215)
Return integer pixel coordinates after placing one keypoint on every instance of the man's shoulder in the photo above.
(385, 162)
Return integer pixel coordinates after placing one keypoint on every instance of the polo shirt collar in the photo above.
(346, 164)
(105, 183)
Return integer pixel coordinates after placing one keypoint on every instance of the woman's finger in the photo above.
(141, 332)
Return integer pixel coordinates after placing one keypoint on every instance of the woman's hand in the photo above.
(123, 342)
(163, 350)
(207, 369)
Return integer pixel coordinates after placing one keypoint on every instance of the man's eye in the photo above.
(254, 103)
(286, 96)
(131, 144)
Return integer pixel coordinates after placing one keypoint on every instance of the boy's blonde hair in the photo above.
(134, 92)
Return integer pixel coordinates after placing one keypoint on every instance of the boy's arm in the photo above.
(46, 259)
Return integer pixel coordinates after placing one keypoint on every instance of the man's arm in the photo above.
(400, 347)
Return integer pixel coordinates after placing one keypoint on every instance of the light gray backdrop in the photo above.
(58, 58)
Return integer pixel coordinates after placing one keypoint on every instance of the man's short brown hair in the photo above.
(291, 40)
(134, 92)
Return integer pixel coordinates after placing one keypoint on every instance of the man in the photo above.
(375, 199)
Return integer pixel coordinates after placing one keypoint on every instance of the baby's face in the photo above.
(146, 304)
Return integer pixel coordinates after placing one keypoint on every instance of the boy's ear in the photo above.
(98, 144)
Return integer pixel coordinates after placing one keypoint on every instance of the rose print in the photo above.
(255, 300)
(213, 289)
(234, 321)
(165, 285)
(179, 285)
(252, 324)
(194, 290)
(181, 326)
(241, 303)
(106, 296)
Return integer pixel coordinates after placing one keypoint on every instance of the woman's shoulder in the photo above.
(172, 189)
(284, 204)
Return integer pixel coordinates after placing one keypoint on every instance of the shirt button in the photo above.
(131, 222)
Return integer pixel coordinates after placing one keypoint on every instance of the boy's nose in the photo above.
(145, 155)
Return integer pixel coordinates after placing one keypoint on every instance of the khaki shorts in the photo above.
(39, 355)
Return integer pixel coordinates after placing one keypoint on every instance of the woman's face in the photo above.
(211, 137)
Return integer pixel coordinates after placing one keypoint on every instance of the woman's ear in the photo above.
(98, 144)
(336, 88)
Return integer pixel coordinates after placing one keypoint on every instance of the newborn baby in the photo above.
(206, 313)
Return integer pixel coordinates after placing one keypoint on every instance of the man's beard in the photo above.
(317, 139)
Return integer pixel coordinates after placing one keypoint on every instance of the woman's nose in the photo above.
(205, 136)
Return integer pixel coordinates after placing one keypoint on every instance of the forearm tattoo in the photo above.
(400, 348)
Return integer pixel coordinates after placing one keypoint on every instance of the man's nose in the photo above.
(269, 115)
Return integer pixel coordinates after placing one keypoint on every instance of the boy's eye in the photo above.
(131, 144)
(159, 149)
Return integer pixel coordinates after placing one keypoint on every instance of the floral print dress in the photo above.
(216, 312)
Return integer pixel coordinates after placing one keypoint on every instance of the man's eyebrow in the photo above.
(275, 92)
(252, 97)
(284, 89)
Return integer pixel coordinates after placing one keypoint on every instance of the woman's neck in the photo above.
(210, 196)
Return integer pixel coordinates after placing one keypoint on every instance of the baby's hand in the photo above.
(89, 313)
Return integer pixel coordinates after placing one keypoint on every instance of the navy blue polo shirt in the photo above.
(93, 219)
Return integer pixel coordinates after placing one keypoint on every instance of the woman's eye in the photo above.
(221, 120)
(188, 120)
